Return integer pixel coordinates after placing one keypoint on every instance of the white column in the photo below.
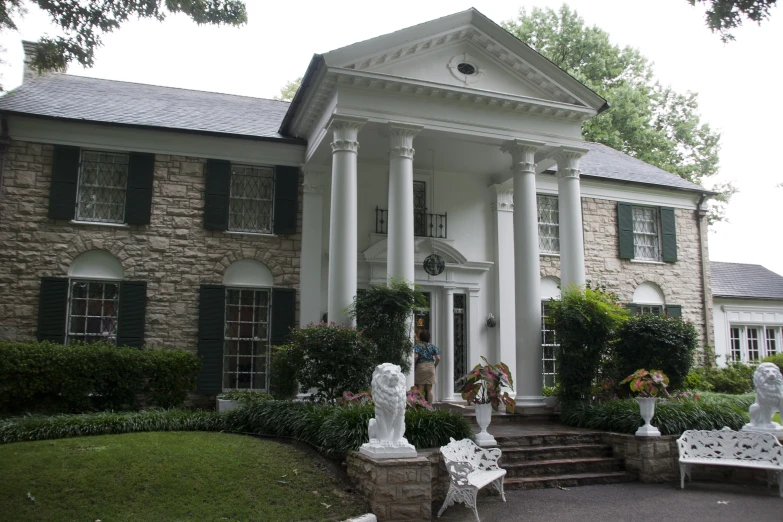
(475, 324)
(315, 180)
(503, 208)
(399, 255)
(572, 248)
(527, 274)
(342, 219)
(400, 231)
(447, 347)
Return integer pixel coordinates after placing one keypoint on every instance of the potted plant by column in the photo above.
(647, 385)
(483, 387)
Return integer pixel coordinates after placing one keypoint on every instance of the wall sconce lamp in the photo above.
(491, 321)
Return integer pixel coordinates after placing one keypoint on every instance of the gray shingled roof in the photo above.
(745, 281)
(607, 163)
(109, 101)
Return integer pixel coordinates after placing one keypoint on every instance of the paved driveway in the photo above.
(634, 501)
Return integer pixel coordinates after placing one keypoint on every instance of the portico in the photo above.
(384, 121)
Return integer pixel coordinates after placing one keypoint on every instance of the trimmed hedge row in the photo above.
(47, 377)
(711, 412)
(330, 428)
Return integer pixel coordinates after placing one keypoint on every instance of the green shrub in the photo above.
(584, 322)
(654, 341)
(40, 427)
(777, 360)
(735, 378)
(332, 359)
(710, 412)
(245, 396)
(47, 377)
(383, 314)
(285, 363)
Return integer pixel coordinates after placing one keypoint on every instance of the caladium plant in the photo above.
(484, 385)
(645, 383)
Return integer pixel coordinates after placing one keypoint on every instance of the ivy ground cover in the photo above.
(167, 476)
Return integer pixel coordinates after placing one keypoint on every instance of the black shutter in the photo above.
(632, 309)
(625, 229)
(674, 311)
(138, 198)
(130, 317)
(286, 199)
(211, 317)
(52, 309)
(669, 235)
(216, 194)
(283, 314)
(65, 176)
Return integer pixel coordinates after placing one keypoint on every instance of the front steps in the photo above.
(539, 453)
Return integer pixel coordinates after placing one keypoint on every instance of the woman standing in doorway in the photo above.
(427, 357)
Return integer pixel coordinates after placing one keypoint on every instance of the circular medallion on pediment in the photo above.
(434, 265)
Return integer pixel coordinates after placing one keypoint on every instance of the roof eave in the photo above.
(316, 63)
(290, 141)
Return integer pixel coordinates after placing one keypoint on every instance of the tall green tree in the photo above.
(724, 15)
(288, 91)
(83, 22)
(649, 121)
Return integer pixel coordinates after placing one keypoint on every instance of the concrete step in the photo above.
(572, 451)
(548, 439)
(568, 481)
(563, 467)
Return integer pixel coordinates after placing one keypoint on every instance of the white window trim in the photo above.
(538, 224)
(268, 336)
(100, 224)
(271, 233)
(79, 188)
(658, 232)
(762, 340)
(71, 280)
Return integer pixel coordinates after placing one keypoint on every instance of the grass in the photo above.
(168, 476)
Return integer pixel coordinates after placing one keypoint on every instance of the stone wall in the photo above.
(174, 254)
(680, 282)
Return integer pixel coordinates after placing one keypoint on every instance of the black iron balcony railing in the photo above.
(424, 223)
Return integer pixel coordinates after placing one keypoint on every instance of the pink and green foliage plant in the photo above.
(645, 383)
(484, 385)
(414, 399)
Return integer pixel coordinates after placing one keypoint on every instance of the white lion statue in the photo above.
(769, 399)
(386, 430)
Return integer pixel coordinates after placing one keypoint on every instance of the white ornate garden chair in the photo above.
(470, 469)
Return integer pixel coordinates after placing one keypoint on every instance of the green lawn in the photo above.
(168, 476)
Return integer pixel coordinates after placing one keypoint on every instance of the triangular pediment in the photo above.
(465, 50)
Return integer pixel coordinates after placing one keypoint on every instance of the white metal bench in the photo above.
(726, 447)
(470, 469)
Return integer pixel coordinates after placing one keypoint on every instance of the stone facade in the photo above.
(681, 282)
(397, 489)
(174, 254)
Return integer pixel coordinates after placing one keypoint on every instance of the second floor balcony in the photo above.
(425, 224)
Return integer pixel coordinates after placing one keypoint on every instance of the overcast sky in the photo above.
(734, 81)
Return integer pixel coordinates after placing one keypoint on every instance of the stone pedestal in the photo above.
(397, 489)
(773, 428)
(378, 450)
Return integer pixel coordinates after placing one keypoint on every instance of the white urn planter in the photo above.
(224, 405)
(647, 410)
(483, 418)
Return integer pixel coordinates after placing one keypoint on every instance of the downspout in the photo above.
(701, 213)
(5, 142)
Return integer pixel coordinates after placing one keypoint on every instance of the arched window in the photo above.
(550, 289)
(93, 297)
(94, 303)
(239, 321)
(648, 299)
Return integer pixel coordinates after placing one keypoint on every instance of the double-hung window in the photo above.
(92, 311)
(548, 225)
(246, 343)
(101, 186)
(550, 345)
(646, 240)
(251, 198)
(751, 343)
(647, 233)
